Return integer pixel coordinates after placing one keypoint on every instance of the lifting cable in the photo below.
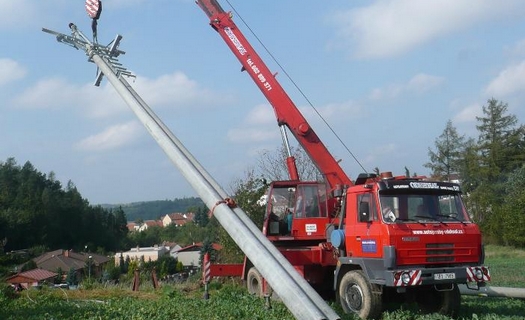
(296, 86)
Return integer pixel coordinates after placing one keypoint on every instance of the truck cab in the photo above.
(297, 210)
(408, 236)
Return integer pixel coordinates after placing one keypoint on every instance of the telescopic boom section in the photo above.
(285, 110)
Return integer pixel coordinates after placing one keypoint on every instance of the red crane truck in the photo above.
(376, 239)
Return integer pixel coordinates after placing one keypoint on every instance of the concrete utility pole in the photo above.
(300, 298)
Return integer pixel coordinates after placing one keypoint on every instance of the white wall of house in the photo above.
(166, 220)
(149, 254)
(189, 258)
(174, 252)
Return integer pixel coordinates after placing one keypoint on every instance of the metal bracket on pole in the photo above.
(109, 53)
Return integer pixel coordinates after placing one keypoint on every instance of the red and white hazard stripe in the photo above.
(474, 273)
(92, 7)
(414, 275)
(206, 269)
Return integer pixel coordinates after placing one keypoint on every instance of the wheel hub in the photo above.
(354, 297)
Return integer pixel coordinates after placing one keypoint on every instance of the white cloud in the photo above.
(253, 135)
(112, 137)
(262, 114)
(112, 4)
(510, 80)
(258, 126)
(518, 49)
(418, 84)
(16, 13)
(98, 102)
(423, 83)
(48, 94)
(392, 27)
(10, 71)
(335, 110)
(57, 93)
(174, 89)
(380, 152)
(468, 114)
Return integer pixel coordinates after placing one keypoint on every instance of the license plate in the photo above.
(444, 276)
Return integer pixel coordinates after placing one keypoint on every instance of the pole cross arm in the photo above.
(109, 53)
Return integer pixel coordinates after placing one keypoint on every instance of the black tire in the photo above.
(254, 282)
(356, 296)
(447, 302)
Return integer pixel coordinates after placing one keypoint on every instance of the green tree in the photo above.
(513, 209)
(59, 276)
(469, 166)
(497, 129)
(191, 233)
(122, 264)
(207, 247)
(247, 192)
(36, 210)
(133, 265)
(446, 158)
(71, 278)
(516, 148)
(179, 267)
(166, 265)
(30, 265)
(497, 132)
(169, 233)
(147, 238)
(201, 216)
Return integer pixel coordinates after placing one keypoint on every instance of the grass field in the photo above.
(230, 301)
(507, 266)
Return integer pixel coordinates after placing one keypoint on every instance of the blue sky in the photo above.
(387, 75)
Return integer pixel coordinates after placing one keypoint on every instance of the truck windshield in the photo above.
(424, 207)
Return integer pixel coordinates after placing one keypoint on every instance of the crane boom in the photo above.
(370, 239)
(286, 111)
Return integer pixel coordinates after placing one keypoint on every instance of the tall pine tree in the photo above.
(445, 160)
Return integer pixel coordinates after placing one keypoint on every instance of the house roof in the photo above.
(181, 218)
(146, 249)
(67, 259)
(131, 226)
(198, 246)
(169, 244)
(153, 223)
(34, 275)
(176, 216)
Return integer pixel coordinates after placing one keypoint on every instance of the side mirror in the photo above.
(364, 212)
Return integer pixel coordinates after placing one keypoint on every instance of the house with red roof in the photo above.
(148, 224)
(83, 263)
(32, 278)
(178, 219)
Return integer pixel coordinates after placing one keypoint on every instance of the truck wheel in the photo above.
(445, 302)
(254, 282)
(356, 296)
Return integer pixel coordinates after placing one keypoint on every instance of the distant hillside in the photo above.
(152, 210)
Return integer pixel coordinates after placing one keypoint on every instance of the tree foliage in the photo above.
(445, 159)
(513, 209)
(151, 210)
(35, 210)
(246, 192)
(490, 168)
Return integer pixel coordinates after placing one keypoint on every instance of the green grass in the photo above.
(226, 302)
(507, 266)
(230, 301)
